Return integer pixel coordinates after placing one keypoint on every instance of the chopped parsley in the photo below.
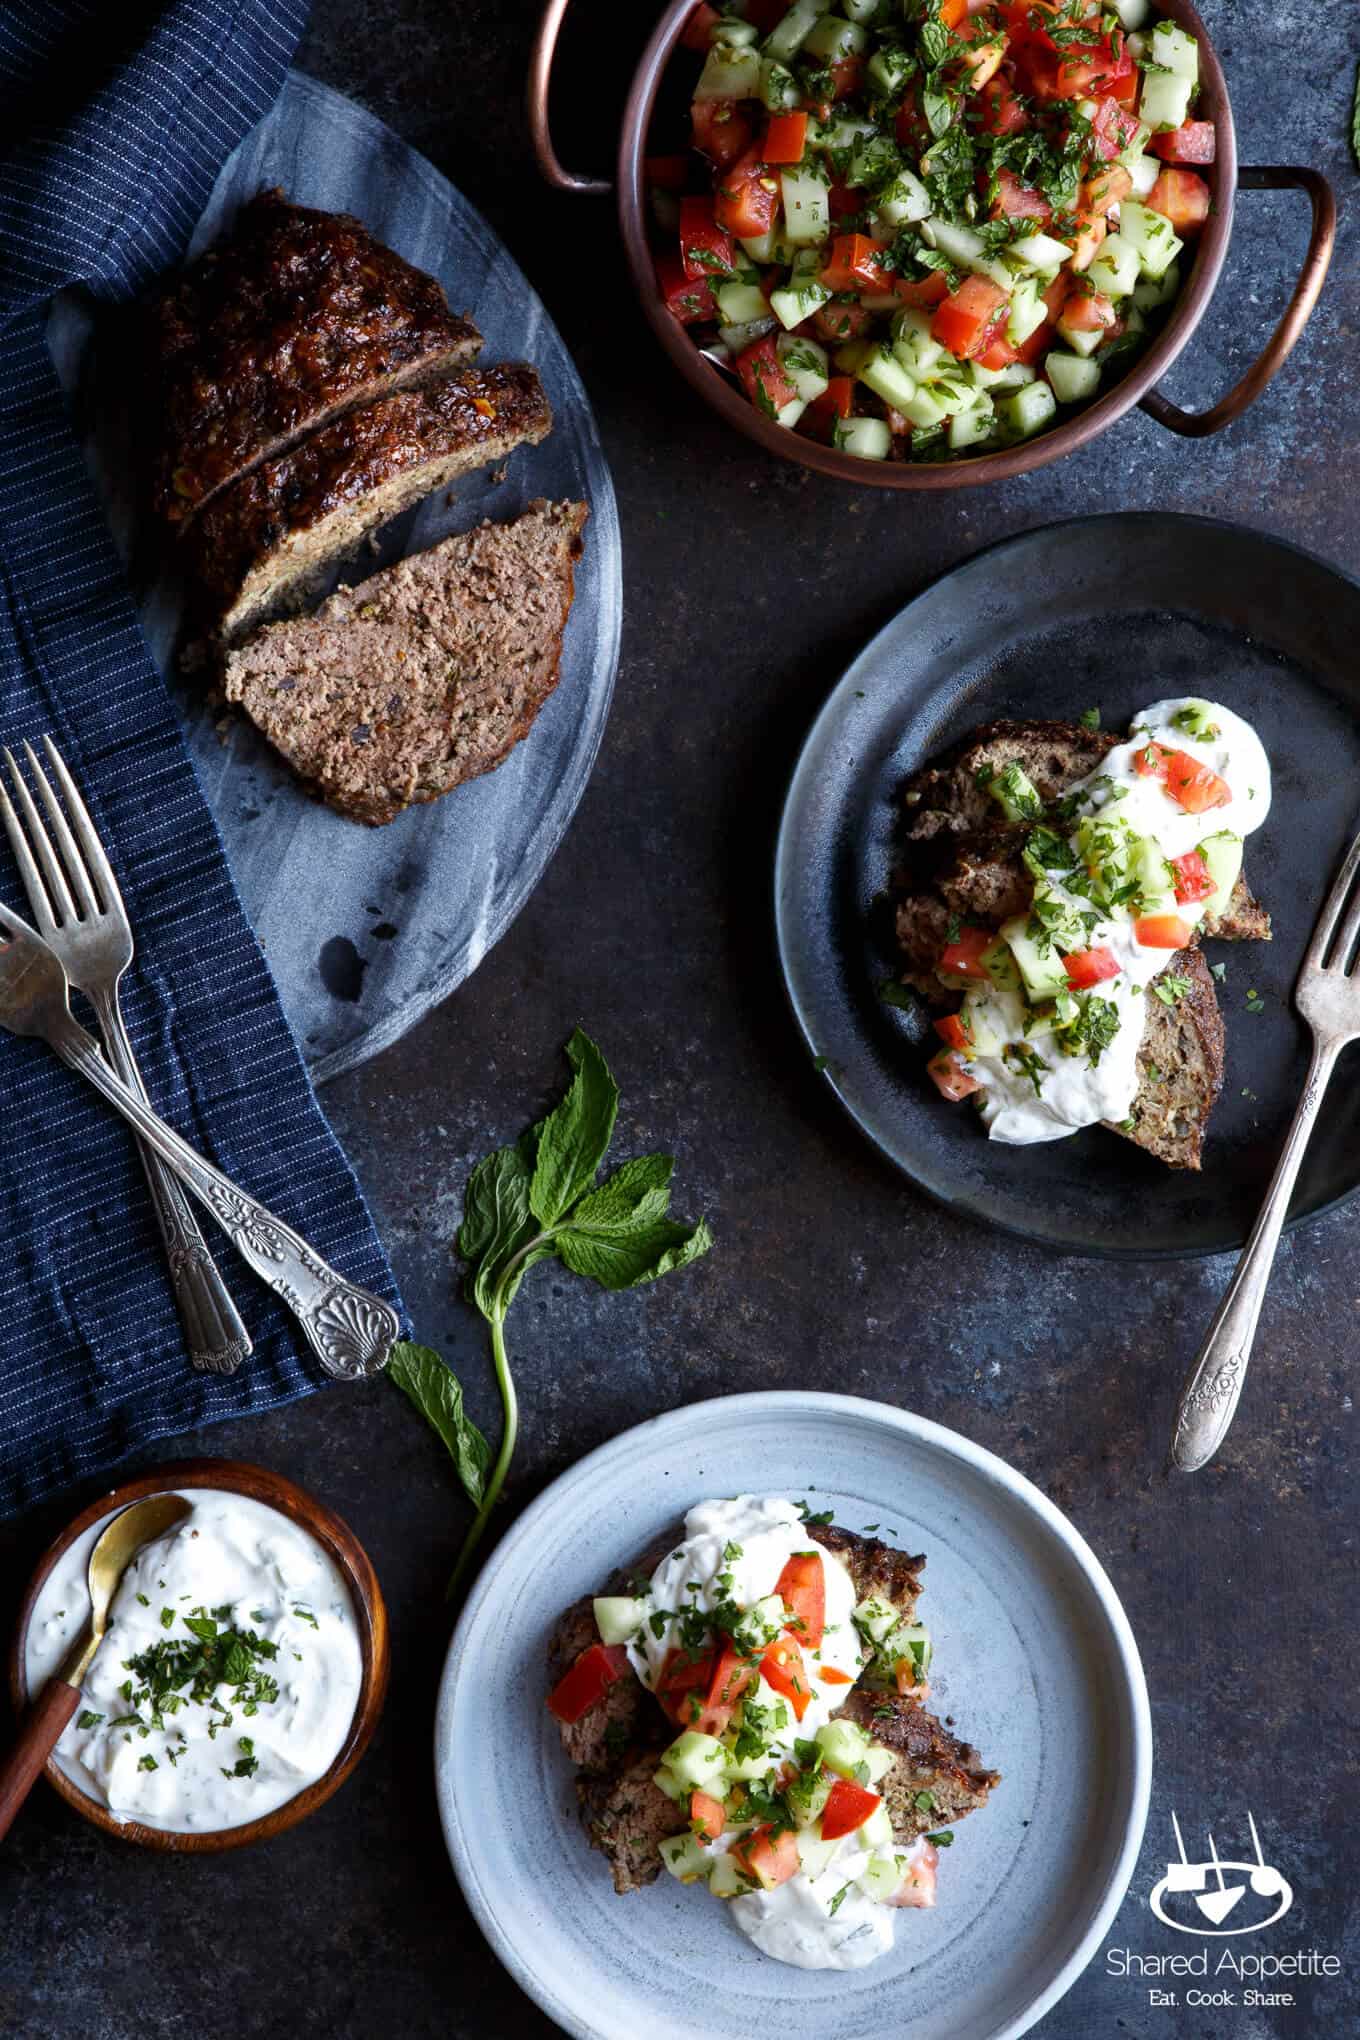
(1255, 1003)
(1170, 988)
(1090, 718)
(88, 1719)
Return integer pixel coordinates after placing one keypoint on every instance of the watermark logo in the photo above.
(1202, 1897)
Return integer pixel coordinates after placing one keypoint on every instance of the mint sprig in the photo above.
(538, 1200)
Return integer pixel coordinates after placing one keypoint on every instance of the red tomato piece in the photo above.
(786, 138)
(706, 1816)
(847, 75)
(836, 401)
(683, 1680)
(855, 263)
(1088, 311)
(1091, 231)
(924, 291)
(1108, 188)
(1000, 109)
(911, 126)
(1113, 127)
(802, 1588)
(1150, 760)
(782, 1667)
(584, 1684)
(768, 1855)
(1039, 342)
(1087, 70)
(694, 34)
(961, 323)
(953, 1032)
(705, 249)
(1182, 197)
(728, 1676)
(952, 12)
(949, 1074)
(746, 197)
(721, 131)
(687, 298)
(848, 1807)
(1197, 787)
(963, 956)
(1162, 931)
(666, 173)
(832, 1675)
(1089, 967)
(840, 321)
(918, 1886)
(1194, 141)
(1017, 201)
(1191, 878)
(763, 378)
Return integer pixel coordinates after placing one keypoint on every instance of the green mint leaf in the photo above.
(625, 1260)
(636, 1195)
(437, 1393)
(574, 1138)
(497, 1225)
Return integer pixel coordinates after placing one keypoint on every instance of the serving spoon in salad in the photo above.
(114, 1550)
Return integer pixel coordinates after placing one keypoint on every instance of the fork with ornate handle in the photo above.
(79, 910)
(1328, 997)
(350, 1331)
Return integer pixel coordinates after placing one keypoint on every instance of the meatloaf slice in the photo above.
(291, 318)
(626, 1816)
(1180, 1064)
(263, 546)
(932, 1765)
(627, 1713)
(877, 1570)
(423, 676)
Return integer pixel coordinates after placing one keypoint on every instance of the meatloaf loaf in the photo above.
(264, 545)
(292, 317)
(425, 675)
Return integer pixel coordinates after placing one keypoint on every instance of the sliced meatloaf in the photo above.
(424, 676)
(626, 1715)
(936, 1779)
(1180, 1064)
(289, 319)
(878, 1570)
(263, 546)
(626, 1815)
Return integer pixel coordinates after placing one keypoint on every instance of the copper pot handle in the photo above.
(540, 77)
(1199, 424)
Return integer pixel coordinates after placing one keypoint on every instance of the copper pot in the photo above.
(1136, 387)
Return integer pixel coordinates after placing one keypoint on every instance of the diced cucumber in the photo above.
(928, 407)
(729, 74)
(870, 438)
(686, 1858)
(1132, 151)
(696, 1760)
(805, 365)
(1028, 310)
(910, 1639)
(1115, 269)
(1038, 251)
(788, 414)
(952, 386)
(762, 1621)
(807, 204)
(1144, 170)
(1176, 50)
(786, 37)
(876, 1832)
(739, 304)
(738, 338)
(880, 1879)
(884, 374)
(741, 1770)
(841, 133)
(851, 353)
(808, 1797)
(903, 200)
(986, 378)
(1152, 874)
(843, 1745)
(887, 71)
(773, 245)
(1222, 855)
(1149, 294)
(779, 89)
(1131, 13)
(1016, 375)
(738, 35)
(878, 1763)
(792, 303)
(984, 1018)
(667, 1782)
(913, 343)
(1150, 233)
(1016, 793)
(875, 1618)
(873, 160)
(619, 1616)
(962, 246)
(1081, 339)
(813, 1853)
(1044, 974)
(1165, 100)
(862, 11)
(1001, 967)
(725, 1879)
(833, 38)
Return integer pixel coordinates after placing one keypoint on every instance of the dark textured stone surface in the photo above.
(749, 584)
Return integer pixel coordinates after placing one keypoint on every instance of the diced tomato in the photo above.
(763, 377)
(909, 1685)
(687, 298)
(1192, 878)
(843, 199)
(963, 956)
(952, 12)
(832, 1675)
(730, 1675)
(1086, 70)
(746, 197)
(918, 1886)
(782, 1667)
(768, 1855)
(705, 249)
(1194, 141)
(706, 1816)
(1107, 188)
(836, 401)
(922, 291)
(766, 14)
(848, 1807)
(721, 131)
(962, 321)
(911, 126)
(1087, 967)
(785, 138)
(1000, 110)
(1162, 931)
(1113, 127)
(1181, 196)
(953, 1032)
(1150, 760)
(1195, 786)
(683, 1682)
(855, 263)
(802, 1588)
(586, 1682)
(847, 75)
(1039, 342)
(666, 173)
(985, 41)
(1017, 201)
(1084, 243)
(1088, 311)
(949, 1074)
(694, 34)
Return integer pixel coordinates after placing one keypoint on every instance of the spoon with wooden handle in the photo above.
(41, 1727)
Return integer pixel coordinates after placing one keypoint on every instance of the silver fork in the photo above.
(79, 911)
(350, 1330)
(1327, 994)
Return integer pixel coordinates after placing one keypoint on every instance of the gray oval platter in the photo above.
(367, 929)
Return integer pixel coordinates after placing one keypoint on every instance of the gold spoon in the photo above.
(114, 1550)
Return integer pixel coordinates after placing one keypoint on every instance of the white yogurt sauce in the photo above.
(236, 1564)
(1073, 1091)
(795, 1923)
(744, 1544)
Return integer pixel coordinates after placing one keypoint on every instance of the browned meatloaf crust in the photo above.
(424, 676)
(262, 545)
(932, 1765)
(292, 317)
(961, 859)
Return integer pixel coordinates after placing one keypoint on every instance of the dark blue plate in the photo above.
(1108, 612)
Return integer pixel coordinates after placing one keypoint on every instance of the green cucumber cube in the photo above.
(619, 1616)
(1042, 970)
(1072, 378)
(832, 39)
(1116, 268)
(807, 204)
(1222, 855)
(686, 1858)
(1165, 101)
(870, 438)
(739, 304)
(1176, 50)
(696, 1760)
(973, 424)
(804, 363)
(786, 37)
(729, 73)
(884, 374)
(1151, 234)
(843, 1744)
(880, 1879)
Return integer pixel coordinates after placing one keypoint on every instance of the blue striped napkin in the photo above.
(116, 121)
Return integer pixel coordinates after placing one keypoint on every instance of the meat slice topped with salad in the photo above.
(747, 1711)
(919, 228)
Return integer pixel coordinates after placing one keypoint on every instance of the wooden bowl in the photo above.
(335, 1538)
(1136, 387)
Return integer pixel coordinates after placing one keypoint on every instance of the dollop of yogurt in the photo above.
(827, 1921)
(262, 1610)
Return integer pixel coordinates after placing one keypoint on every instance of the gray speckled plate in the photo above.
(1034, 1661)
(366, 929)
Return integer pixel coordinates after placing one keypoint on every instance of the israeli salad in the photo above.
(926, 226)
